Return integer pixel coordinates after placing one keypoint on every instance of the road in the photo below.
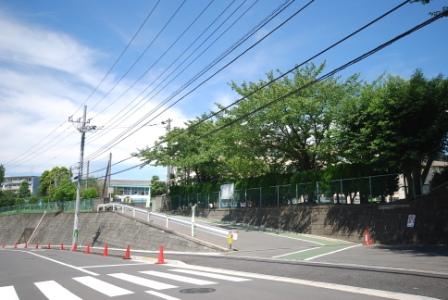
(56, 274)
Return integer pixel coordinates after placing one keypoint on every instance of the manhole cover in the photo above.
(197, 291)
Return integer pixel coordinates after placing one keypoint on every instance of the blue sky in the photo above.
(54, 53)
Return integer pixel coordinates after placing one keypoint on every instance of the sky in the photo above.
(56, 56)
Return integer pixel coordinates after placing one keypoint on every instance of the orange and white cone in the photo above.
(161, 257)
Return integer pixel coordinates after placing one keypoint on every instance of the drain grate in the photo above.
(197, 291)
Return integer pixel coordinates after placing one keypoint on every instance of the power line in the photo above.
(33, 148)
(323, 77)
(171, 18)
(136, 106)
(99, 152)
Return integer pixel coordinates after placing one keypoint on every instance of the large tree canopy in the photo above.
(389, 125)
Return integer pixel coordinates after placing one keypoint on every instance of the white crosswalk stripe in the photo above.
(178, 278)
(8, 293)
(156, 285)
(54, 291)
(163, 296)
(211, 275)
(102, 286)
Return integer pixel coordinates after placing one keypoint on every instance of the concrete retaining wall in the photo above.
(387, 223)
(95, 229)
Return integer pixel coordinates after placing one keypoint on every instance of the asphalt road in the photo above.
(56, 274)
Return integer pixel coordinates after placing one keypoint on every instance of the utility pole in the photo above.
(83, 127)
(168, 168)
(106, 185)
(87, 174)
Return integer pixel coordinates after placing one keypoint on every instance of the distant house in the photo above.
(13, 183)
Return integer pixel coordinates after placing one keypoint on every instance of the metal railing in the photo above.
(164, 219)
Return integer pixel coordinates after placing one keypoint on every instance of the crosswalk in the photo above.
(156, 281)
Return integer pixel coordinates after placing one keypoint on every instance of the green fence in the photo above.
(56, 206)
(344, 191)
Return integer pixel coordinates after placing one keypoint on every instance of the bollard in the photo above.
(127, 253)
(106, 250)
(161, 258)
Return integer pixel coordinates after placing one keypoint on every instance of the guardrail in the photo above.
(143, 214)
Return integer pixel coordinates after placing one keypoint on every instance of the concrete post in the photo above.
(193, 213)
(147, 216)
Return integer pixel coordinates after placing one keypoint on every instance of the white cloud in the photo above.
(44, 77)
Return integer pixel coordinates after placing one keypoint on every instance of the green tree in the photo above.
(89, 193)
(2, 173)
(24, 190)
(157, 187)
(396, 125)
(64, 191)
(52, 180)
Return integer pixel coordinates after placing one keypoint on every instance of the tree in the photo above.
(396, 125)
(89, 193)
(24, 190)
(157, 187)
(55, 181)
(64, 191)
(2, 173)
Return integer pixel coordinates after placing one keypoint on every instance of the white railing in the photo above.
(143, 214)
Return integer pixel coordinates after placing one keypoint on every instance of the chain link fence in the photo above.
(54, 206)
(358, 190)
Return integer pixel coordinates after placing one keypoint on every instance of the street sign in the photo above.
(411, 221)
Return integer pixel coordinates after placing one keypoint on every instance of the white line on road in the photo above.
(117, 265)
(61, 263)
(332, 252)
(152, 284)
(294, 238)
(318, 284)
(178, 278)
(54, 291)
(102, 286)
(295, 252)
(8, 293)
(211, 275)
(160, 295)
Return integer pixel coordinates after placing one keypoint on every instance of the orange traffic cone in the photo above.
(87, 251)
(106, 250)
(37, 245)
(127, 254)
(62, 246)
(366, 238)
(74, 247)
(161, 258)
(49, 246)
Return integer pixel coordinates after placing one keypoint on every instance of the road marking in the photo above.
(117, 265)
(332, 252)
(62, 263)
(295, 252)
(8, 293)
(102, 286)
(294, 238)
(54, 291)
(178, 278)
(163, 296)
(318, 284)
(211, 275)
(143, 281)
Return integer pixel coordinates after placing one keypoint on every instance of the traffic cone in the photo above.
(15, 245)
(161, 258)
(87, 250)
(106, 250)
(37, 245)
(26, 245)
(49, 246)
(74, 247)
(62, 246)
(366, 238)
(127, 254)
